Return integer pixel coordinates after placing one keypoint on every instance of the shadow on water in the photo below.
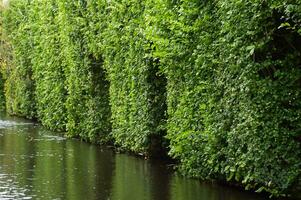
(39, 164)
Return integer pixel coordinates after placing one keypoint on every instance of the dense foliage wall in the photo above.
(4, 48)
(234, 71)
(137, 89)
(48, 65)
(227, 72)
(19, 87)
(88, 99)
(67, 84)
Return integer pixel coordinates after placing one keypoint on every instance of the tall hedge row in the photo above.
(19, 87)
(137, 88)
(4, 53)
(234, 71)
(88, 90)
(5, 58)
(67, 83)
(221, 79)
(48, 65)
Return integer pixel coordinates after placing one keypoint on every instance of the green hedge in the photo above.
(4, 59)
(65, 80)
(233, 70)
(48, 65)
(227, 71)
(19, 87)
(88, 109)
(137, 89)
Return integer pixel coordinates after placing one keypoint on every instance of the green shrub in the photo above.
(137, 90)
(233, 71)
(52, 67)
(228, 70)
(4, 59)
(19, 86)
(88, 110)
(48, 65)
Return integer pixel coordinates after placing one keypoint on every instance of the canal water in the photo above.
(39, 164)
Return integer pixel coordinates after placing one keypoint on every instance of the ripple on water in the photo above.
(7, 124)
(9, 189)
(53, 138)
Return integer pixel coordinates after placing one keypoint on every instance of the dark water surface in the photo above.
(39, 164)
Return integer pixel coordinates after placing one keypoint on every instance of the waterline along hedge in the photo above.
(217, 83)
